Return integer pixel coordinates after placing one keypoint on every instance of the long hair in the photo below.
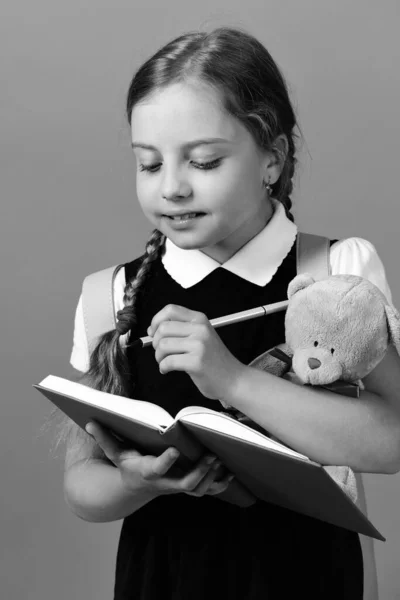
(252, 90)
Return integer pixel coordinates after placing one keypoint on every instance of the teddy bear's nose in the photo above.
(314, 363)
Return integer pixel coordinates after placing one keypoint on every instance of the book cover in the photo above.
(270, 471)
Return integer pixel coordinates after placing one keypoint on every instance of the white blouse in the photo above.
(257, 262)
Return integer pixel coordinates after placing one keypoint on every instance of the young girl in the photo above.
(213, 135)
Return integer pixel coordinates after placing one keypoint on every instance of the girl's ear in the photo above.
(276, 158)
(300, 282)
(280, 148)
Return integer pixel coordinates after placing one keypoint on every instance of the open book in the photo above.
(269, 470)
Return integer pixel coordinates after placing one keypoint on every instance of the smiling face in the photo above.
(180, 170)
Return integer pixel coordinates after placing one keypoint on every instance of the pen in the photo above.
(244, 315)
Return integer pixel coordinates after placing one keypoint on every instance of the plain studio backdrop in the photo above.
(68, 208)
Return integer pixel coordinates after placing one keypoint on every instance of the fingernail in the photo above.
(229, 478)
(149, 331)
(89, 429)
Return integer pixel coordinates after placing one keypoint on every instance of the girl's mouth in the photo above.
(184, 217)
(183, 220)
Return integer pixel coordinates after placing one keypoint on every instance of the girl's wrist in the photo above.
(235, 387)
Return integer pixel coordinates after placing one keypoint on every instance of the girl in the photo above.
(213, 135)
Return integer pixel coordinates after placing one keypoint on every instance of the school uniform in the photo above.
(181, 547)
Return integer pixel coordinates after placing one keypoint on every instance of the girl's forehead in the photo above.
(182, 112)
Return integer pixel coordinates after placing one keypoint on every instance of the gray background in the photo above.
(69, 208)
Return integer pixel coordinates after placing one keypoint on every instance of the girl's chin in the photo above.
(185, 234)
(186, 242)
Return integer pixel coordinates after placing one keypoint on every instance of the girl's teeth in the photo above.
(183, 217)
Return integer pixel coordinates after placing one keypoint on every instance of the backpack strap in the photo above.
(98, 303)
(312, 255)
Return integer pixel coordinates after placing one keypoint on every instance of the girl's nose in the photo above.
(314, 363)
(174, 186)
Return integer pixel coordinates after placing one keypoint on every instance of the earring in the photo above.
(267, 186)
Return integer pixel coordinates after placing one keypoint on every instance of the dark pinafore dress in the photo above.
(186, 548)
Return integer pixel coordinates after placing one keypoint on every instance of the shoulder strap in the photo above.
(98, 303)
(312, 255)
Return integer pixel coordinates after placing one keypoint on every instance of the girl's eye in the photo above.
(213, 164)
(315, 344)
(208, 165)
(150, 168)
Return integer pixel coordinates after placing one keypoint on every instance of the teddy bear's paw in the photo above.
(271, 364)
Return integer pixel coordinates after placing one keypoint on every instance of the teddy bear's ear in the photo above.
(300, 282)
(393, 318)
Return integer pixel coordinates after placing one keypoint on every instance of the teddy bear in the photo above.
(337, 330)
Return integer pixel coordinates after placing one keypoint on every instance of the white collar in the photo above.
(257, 261)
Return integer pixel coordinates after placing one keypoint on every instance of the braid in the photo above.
(153, 247)
(283, 188)
(109, 369)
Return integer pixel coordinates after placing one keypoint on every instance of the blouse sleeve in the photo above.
(80, 351)
(356, 256)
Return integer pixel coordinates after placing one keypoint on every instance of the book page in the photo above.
(140, 410)
(223, 423)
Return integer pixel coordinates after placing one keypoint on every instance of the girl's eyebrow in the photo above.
(187, 146)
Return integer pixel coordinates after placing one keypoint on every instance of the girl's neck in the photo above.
(239, 238)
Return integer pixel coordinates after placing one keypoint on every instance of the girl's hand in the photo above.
(184, 340)
(151, 473)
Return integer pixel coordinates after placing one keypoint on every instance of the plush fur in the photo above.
(338, 328)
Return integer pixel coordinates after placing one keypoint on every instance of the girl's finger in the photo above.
(174, 312)
(205, 484)
(186, 361)
(173, 329)
(189, 480)
(160, 465)
(108, 443)
(215, 484)
(172, 346)
(217, 487)
(207, 468)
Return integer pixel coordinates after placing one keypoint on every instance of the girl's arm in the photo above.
(93, 488)
(105, 481)
(331, 429)
(94, 491)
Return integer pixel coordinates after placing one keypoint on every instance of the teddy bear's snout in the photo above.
(316, 371)
(314, 363)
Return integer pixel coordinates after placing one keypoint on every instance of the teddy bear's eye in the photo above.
(332, 350)
(315, 344)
